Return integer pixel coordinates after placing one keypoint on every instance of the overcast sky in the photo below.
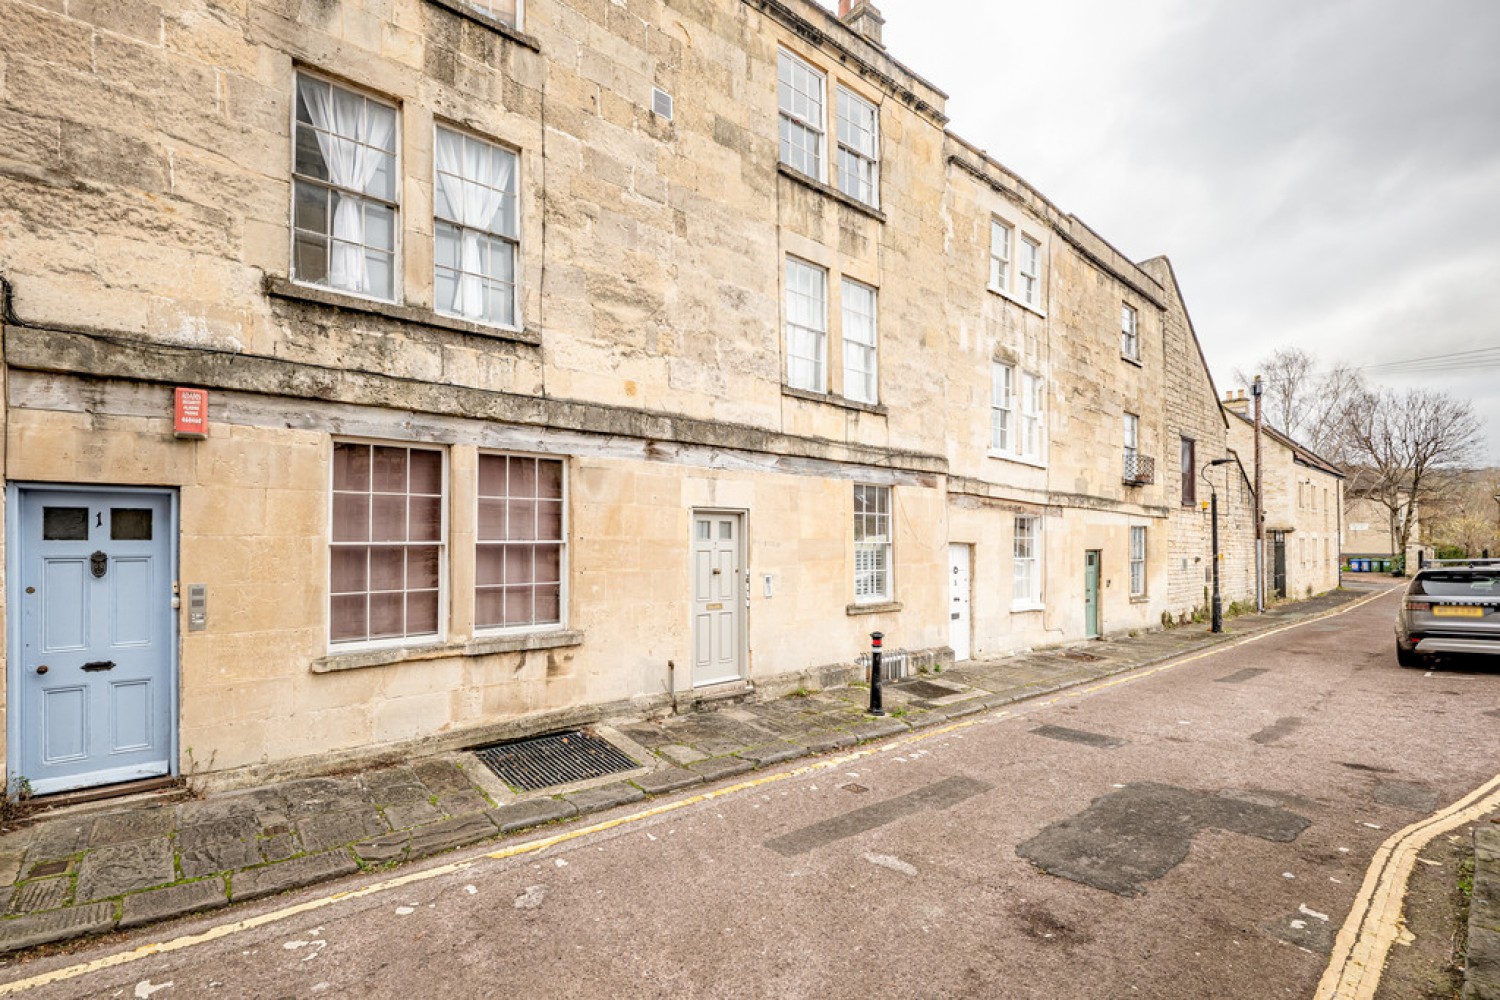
(1322, 173)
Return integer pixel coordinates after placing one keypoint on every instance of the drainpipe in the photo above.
(1260, 528)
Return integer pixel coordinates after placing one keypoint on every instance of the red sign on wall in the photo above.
(190, 413)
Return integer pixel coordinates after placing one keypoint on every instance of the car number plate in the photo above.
(1459, 612)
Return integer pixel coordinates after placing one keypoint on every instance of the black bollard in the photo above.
(875, 706)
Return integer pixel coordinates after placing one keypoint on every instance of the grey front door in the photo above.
(1091, 593)
(92, 683)
(718, 597)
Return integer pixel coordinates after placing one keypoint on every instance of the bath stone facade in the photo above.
(608, 358)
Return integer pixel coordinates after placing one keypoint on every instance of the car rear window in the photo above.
(1457, 585)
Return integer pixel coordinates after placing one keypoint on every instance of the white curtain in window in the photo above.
(352, 143)
(474, 182)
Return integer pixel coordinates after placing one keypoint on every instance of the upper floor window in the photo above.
(475, 230)
(345, 190)
(1002, 406)
(1000, 240)
(508, 11)
(859, 148)
(872, 544)
(520, 542)
(1189, 472)
(1031, 417)
(1130, 344)
(1031, 271)
(800, 90)
(806, 326)
(387, 547)
(860, 382)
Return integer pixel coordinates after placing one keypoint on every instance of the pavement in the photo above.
(1482, 962)
(115, 865)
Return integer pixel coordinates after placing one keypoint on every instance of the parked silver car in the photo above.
(1450, 607)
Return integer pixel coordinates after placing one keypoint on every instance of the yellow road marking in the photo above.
(533, 846)
(1374, 922)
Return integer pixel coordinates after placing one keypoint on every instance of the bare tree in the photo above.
(1307, 401)
(1401, 448)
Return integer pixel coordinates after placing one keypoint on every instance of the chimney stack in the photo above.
(1235, 402)
(863, 17)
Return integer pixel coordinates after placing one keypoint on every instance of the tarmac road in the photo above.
(1206, 828)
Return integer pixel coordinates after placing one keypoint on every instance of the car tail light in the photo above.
(1418, 605)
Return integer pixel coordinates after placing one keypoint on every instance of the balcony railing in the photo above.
(1139, 469)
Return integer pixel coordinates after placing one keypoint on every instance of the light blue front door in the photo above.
(92, 689)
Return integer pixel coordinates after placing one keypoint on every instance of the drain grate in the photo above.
(559, 759)
(927, 689)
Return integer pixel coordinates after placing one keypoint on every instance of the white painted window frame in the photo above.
(1031, 271)
(1032, 445)
(1130, 340)
(1137, 560)
(864, 160)
(796, 266)
(788, 68)
(564, 550)
(515, 241)
(1026, 579)
(873, 538)
(862, 348)
(1002, 243)
(1002, 408)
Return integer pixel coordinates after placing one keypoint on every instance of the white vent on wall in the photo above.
(661, 103)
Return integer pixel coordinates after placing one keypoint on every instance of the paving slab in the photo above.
(533, 812)
(121, 827)
(336, 829)
(173, 901)
(772, 753)
(667, 779)
(824, 742)
(605, 797)
(57, 925)
(41, 894)
(122, 868)
(253, 883)
(311, 796)
(464, 830)
(721, 767)
(410, 814)
(878, 729)
(58, 838)
(242, 826)
(384, 850)
(224, 856)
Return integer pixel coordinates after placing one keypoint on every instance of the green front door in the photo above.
(1091, 593)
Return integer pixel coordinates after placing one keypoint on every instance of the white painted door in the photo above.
(958, 601)
(718, 598)
(95, 674)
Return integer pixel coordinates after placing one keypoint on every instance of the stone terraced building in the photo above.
(394, 375)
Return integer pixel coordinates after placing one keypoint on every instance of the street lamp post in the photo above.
(1216, 621)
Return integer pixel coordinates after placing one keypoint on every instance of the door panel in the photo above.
(959, 630)
(718, 598)
(1091, 593)
(93, 678)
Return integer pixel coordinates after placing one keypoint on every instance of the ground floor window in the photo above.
(1138, 561)
(387, 543)
(520, 542)
(872, 544)
(1027, 586)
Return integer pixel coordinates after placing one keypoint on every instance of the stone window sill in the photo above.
(832, 400)
(873, 609)
(828, 191)
(1017, 607)
(1007, 296)
(484, 20)
(281, 288)
(1006, 456)
(1141, 599)
(1134, 361)
(480, 646)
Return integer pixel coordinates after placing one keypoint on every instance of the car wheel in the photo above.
(1409, 657)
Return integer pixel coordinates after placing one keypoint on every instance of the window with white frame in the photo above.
(1032, 444)
(1031, 271)
(860, 355)
(1002, 406)
(1027, 585)
(520, 542)
(476, 233)
(345, 190)
(859, 148)
(388, 543)
(806, 326)
(1000, 241)
(1130, 344)
(1132, 436)
(1137, 561)
(800, 90)
(872, 544)
(507, 11)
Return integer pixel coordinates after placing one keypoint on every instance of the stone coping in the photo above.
(116, 865)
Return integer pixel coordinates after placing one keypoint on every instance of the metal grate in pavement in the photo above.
(559, 759)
